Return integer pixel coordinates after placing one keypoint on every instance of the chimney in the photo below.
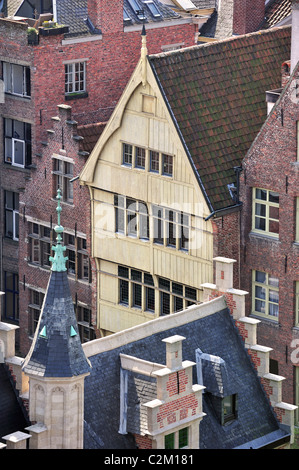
(248, 15)
(295, 34)
(105, 16)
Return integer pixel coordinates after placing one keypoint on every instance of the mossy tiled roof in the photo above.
(216, 93)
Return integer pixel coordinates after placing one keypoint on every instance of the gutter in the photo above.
(224, 211)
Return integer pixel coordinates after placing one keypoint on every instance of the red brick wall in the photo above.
(270, 164)
(226, 241)
(248, 15)
(143, 442)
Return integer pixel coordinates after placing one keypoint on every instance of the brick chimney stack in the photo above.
(105, 15)
(248, 15)
(295, 34)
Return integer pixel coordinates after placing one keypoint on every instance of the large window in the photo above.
(131, 217)
(136, 289)
(17, 142)
(175, 296)
(171, 228)
(85, 327)
(78, 264)
(63, 173)
(265, 295)
(11, 209)
(16, 79)
(39, 244)
(11, 301)
(265, 217)
(75, 78)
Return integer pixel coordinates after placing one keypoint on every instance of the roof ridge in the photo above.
(220, 41)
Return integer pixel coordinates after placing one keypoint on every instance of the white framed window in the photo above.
(16, 79)
(63, 172)
(265, 295)
(17, 142)
(265, 212)
(153, 8)
(11, 214)
(75, 77)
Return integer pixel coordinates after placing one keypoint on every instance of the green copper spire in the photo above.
(58, 261)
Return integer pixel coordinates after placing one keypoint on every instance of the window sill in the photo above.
(18, 97)
(265, 319)
(76, 96)
(264, 236)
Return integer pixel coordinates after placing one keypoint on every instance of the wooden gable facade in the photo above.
(152, 246)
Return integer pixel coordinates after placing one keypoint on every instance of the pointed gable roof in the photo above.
(216, 95)
(56, 349)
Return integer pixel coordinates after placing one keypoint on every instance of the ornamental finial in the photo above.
(58, 261)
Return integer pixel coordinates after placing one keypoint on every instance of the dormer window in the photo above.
(152, 7)
(177, 440)
(229, 409)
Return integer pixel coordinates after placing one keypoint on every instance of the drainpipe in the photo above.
(295, 34)
(54, 10)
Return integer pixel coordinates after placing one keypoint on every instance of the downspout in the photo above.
(54, 6)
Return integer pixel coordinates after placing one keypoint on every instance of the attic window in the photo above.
(152, 7)
(136, 8)
(126, 16)
(229, 409)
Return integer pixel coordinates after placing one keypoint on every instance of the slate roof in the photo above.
(56, 350)
(216, 95)
(12, 417)
(75, 17)
(213, 334)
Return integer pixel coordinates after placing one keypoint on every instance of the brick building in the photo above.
(83, 59)
(270, 224)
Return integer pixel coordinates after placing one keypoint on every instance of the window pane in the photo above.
(136, 275)
(164, 284)
(137, 295)
(150, 299)
(260, 276)
(19, 152)
(9, 224)
(123, 272)
(140, 157)
(260, 306)
(260, 209)
(127, 154)
(124, 292)
(190, 293)
(261, 194)
(154, 161)
(148, 279)
(169, 441)
(273, 197)
(17, 79)
(183, 438)
(18, 130)
(165, 303)
(260, 292)
(178, 304)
